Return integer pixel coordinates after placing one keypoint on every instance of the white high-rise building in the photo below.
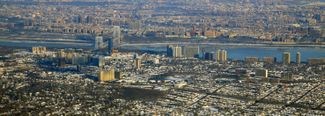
(116, 35)
(99, 42)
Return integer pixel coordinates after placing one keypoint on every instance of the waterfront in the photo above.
(239, 52)
(235, 51)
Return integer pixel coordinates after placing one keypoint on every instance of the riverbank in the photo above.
(224, 44)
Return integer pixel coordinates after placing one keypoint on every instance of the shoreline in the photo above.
(14, 43)
(224, 44)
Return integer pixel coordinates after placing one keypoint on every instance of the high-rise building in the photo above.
(101, 61)
(117, 36)
(110, 46)
(78, 59)
(106, 74)
(221, 56)
(218, 57)
(225, 56)
(98, 42)
(78, 19)
(298, 56)
(174, 51)
(208, 56)
(177, 52)
(89, 19)
(118, 74)
(190, 51)
(137, 63)
(170, 51)
(286, 58)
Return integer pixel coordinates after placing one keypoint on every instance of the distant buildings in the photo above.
(101, 61)
(190, 51)
(117, 35)
(110, 46)
(251, 59)
(221, 56)
(99, 42)
(38, 50)
(286, 58)
(269, 60)
(261, 73)
(298, 58)
(174, 51)
(137, 63)
(316, 61)
(106, 74)
(78, 59)
(208, 56)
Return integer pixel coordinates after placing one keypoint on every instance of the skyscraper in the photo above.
(218, 57)
(221, 56)
(137, 63)
(101, 61)
(116, 35)
(190, 51)
(224, 55)
(208, 56)
(170, 51)
(89, 19)
(98, 42)
(178, 51)
(106, 74)
(174, 51)
(286, 58)
(110, 46)
(298, 56)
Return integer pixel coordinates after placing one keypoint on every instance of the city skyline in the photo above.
(162, 57)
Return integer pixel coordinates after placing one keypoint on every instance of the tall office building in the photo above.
(177, 52)
(106, 74)
(286, 58)
(110, 46)
(101, 61)
(221, 56)
(174, 51)
(79, 59)
(98, 42)
(170, 51)
(190, 51)
(225, 55)
(89, 19)
(298, 56)
(137, 63)
(218, 57)
(78, 19)
(208, 56)
(117, 35)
